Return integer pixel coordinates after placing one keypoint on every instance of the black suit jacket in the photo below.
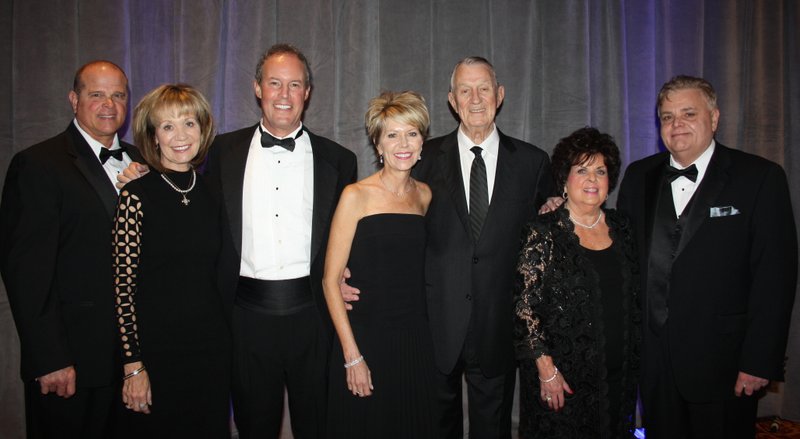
(55, 256)
(733, 277)
(467, 280)
(334, 168)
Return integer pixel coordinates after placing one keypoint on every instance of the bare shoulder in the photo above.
(425, 194)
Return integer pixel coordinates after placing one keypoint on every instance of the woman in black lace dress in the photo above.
(576, 307)
(166, 244)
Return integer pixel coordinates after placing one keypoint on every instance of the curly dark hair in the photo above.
(578, 147)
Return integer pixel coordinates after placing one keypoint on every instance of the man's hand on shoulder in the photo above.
(62, 382)
(551, 204)
(132, 172)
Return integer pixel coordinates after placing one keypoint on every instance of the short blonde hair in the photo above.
(181, 97)
(407, 107)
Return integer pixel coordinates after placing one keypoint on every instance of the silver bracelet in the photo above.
(354, 362)
(555, 374)
(134, 373)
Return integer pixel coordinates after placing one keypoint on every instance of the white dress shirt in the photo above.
(491, 146)
(277, 209)
(112, 166)
(682, 188)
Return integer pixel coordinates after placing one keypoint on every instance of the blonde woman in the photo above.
(382, 366)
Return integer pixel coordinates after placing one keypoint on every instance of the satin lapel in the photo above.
(454, 182)
(325, 177)
(653, 180)
(88, 164)
(232, 166)
(703, 199)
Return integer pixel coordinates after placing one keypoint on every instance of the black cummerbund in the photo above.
(274, 297)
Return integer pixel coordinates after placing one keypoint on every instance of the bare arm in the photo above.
(349, 293)
(343, 228)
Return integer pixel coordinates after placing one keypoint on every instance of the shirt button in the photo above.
(469, 297)
(474, 260)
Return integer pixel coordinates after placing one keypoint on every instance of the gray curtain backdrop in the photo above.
(565, 64)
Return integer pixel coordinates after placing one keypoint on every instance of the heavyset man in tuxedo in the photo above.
(718, 255)
(486, 186)
(280, 184)
(55, 256)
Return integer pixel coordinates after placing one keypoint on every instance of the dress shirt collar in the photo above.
(291, 135)
(94, 144)
(701, 162)
(490, 145)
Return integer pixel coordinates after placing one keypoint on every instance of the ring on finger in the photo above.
(548, 398)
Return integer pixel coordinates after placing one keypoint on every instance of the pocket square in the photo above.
(723, 211)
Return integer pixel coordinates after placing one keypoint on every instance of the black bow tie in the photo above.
(105, 153)
(673, 173)
(268, 140)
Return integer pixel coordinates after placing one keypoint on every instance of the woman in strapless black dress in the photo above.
(385, 388)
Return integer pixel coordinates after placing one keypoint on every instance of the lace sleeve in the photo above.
(126, 241)
(529, 336)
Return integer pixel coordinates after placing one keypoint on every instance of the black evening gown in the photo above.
(169, 309)
(390, 325)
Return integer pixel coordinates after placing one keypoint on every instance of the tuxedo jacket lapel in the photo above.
(653, 180)
(325, 177)
(88, 164)
(232, 178)
(505, 176)
(713, 182)
(451, 170)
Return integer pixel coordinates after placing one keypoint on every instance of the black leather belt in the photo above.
(274, 297)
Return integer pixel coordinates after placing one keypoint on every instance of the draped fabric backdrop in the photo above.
(565, 64)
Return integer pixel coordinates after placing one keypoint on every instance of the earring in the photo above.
(420, 157)
(380, 158)
(564, 195)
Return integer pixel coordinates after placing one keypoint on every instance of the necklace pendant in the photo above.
(185, 200)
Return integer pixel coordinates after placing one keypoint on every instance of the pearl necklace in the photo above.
(397, 194)
(183, 192)
(596, 222)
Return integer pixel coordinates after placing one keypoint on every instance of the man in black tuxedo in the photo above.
(486, 186)
(280, 184)
(55, 256)
(718, 256)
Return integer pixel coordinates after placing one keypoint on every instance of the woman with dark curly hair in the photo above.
(576, 307)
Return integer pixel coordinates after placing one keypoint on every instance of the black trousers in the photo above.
(668, 415)
(489, 399)
(85, 415)
(272, 353)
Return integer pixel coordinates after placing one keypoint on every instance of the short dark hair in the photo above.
(186, 100)
(579, 147)
(280, 49)
(685, 82)
(77, 81)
